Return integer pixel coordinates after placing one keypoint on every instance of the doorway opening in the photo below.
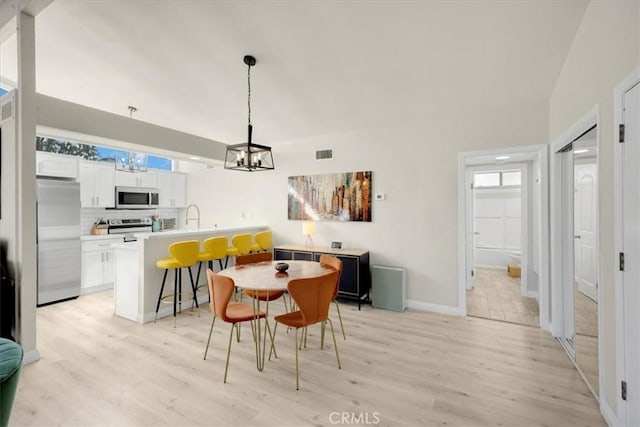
(498, 289)
(503, 237)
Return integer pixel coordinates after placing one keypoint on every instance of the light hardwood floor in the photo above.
(403, 369)
(586, 339)
(498, 296)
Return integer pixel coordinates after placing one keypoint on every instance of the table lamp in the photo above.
(308, 229)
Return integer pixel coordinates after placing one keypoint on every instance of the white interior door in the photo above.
(470, 237)
(631, 249)
(568, 249)
(585, 228)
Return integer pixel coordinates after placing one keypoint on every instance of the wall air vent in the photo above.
(7, 110)
(324, 154)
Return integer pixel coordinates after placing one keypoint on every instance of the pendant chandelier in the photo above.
(131, 162)
(247, 156)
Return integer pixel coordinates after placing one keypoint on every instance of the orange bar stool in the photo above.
(215, 248)
(262, 241)
(241, 245)
(183, 255)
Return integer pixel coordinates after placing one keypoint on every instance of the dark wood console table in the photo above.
(355, 281)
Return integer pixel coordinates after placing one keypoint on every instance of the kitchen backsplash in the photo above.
(89, 215)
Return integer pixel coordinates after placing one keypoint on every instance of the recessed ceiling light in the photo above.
(502, 157)
(584, 150)
(194, 158)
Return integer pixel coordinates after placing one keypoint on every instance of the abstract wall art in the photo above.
(331, 197)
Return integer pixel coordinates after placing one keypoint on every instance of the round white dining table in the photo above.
(263, 276)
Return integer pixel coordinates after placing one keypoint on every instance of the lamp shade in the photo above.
(309, 228)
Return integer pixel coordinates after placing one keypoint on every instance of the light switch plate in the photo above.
(381, 196)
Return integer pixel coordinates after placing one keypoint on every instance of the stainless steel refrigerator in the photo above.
(58, 240)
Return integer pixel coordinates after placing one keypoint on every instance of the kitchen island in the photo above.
(138, 280)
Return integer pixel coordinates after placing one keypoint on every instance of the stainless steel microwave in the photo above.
(137, 198)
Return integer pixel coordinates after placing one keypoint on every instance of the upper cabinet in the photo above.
(173, 189)
(56, 165)
(97, 182)
(137, 179)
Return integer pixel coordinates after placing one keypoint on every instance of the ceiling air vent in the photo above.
(324, 154)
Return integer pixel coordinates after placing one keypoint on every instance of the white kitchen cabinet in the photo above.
(173, 189)
(97, 185)
(97, 266)
(56, 165)
(137, 179)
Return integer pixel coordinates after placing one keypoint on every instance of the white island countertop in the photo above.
(138, 280)
(195, 232)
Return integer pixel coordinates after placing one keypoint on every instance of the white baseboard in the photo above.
(532, 294)
(436, 308)
(30, 357)
(608, 415)
(96, 289)
(491, 267)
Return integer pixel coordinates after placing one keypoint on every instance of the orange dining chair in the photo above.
(336, 264)
(221, 288)
(313, 298)
(261, 295)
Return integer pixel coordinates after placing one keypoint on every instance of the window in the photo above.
(92, 152)
(486, 179)
(497, 179)
(510, 178)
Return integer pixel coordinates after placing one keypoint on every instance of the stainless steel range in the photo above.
(129, 227)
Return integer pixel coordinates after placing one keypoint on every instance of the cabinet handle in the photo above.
(102, 256)
(107, 255)
(93, 201)
(98, 200)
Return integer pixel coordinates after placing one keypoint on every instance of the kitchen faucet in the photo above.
(197, 217)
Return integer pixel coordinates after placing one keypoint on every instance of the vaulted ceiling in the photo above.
(324, 67)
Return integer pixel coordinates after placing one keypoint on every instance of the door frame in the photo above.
(622, 346)
(559, 231)
(540, 152)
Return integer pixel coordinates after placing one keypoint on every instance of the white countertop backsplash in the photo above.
(102, 237)
(89, 215)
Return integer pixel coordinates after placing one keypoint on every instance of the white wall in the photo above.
(605, 49)
(415, 165)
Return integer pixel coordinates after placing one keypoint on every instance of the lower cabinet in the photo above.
(97, 266)
(355, 281)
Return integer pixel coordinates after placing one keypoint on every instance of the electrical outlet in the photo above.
(381, 196)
